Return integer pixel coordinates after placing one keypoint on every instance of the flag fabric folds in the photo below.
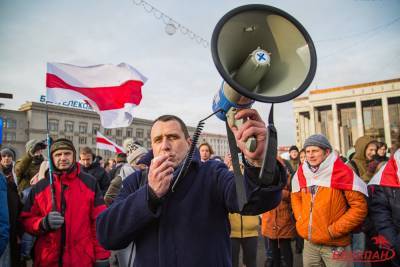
(103, 142)
(112, 91)
(332, 173)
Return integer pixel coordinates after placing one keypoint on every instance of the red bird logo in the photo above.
(381, 241)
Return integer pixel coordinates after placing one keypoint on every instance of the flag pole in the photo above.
(53, 197)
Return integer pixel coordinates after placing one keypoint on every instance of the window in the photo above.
(348, 131)
(324, 121)
(82, 140)
(118, 132)
(83, 127)
(148, 134)
(69, 126)
(95, 128)
(70, 138)
(10, 136)
(107, 131)
(373, 119)
(128, 132)
(93, 140)
(394, 118)
(139, 133)
(10, 124)
(53, 125)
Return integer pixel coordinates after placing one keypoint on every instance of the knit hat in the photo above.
(293, 148)
(7, 152)
(128, 142)
(318, 140)
(136, 153)
(62, 143)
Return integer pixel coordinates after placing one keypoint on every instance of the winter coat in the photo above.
(100, 174)
(384, 202)
(14, 208)
(279, 223)
(360, 160)
(25, 169)
(4, 222)
(188, 227)
(243, 226)
(79, 200)
(116, 183)
(329, 218)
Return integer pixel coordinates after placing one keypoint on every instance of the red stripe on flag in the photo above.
(301, 177)
(342, 176)
(107, 142)
(389, 175)
(106, 98)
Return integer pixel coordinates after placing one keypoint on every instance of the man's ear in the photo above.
(189, 141)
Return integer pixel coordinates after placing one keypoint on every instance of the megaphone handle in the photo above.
(251, 143)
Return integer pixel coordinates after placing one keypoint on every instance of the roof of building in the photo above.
(353, 86)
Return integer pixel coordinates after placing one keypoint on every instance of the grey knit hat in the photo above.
(7, 152)
(136, 153)
(318, 140)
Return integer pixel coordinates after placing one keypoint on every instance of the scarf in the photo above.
(389, 174)
(332, 173)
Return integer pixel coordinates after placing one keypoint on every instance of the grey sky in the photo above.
(356, 40)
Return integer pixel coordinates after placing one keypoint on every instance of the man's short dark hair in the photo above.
(165, 118)
(86, 151)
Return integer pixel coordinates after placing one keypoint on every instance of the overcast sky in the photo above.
(356, 40)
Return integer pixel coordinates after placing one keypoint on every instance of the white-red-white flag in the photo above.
(389, 174)
(332, 173)
(112, 91)
(103, 142)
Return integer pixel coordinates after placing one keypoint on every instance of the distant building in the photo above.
(219, 143)
(345, 113)
(78, 125)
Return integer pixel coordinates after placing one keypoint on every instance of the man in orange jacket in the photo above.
(328, 201)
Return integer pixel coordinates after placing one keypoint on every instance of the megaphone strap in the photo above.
(239, 179)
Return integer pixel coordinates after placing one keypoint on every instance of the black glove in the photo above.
(102, 263)
(52, 221)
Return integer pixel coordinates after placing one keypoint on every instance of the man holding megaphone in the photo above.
(188, 226)
(263, 54)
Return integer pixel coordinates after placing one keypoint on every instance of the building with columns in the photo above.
(345, 113)
(80, 126)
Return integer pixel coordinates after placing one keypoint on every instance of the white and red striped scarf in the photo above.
(332, 173)
(389, 174)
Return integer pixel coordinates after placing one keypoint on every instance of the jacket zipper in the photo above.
(313, 194)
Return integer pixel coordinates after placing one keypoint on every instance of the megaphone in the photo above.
(263, 54)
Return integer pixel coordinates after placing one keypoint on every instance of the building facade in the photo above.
(219, 143)
(345, 113)
(78, 125)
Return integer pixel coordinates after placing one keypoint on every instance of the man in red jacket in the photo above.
(65, 236)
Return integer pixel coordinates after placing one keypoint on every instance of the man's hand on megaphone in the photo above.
(254, 126)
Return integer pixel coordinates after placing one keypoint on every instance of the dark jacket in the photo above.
(190, 227)
(14, 208)
(4, 223)
(100, 174)
(82, 202)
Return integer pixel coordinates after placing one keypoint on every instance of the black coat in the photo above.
(14, 208)
(100, 174)
(384, 210)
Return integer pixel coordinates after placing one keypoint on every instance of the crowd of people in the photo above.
(333, 209)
